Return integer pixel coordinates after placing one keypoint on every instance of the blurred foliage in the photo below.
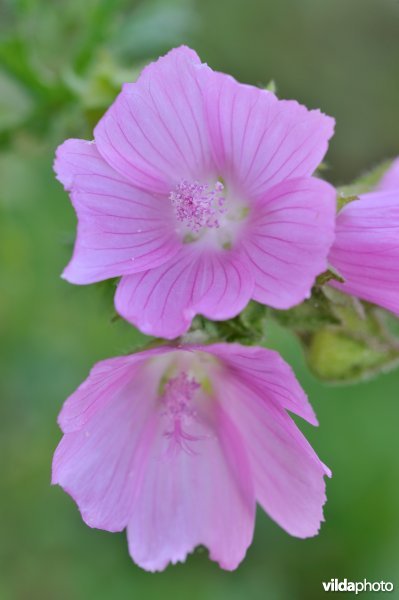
(61, 63)
(70, 55)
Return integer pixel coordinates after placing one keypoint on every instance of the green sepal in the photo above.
(309, 316)
(362, 185)
(247, 328)
(271, 86)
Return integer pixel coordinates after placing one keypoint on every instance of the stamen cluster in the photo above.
(198, 205)
(177, 399)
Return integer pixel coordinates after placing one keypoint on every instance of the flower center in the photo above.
(208, 212)
(177, 400)
(198, 205)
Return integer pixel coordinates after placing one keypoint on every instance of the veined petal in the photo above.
(121, 229)
(103, 385)
(257, 140)
(288, 239)
(78, 157)
(366, 248)
(98, 464)
(267, 373)
(288, 475)
(186, 499)
(155, 134)
(163, 301)
(224, 285)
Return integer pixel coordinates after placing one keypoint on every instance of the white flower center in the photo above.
(204, 211)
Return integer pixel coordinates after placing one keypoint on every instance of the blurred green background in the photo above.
(61, 63)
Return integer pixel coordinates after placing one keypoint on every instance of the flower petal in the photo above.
(267, 373)
(155, 134)
(99, 463)
(106, 379)
(288, 240)
(121, 229)
(163, 301)
(224, 285)
(390, 180)
(288, 475)
(191, 498)
(366, 249)
(257, 140)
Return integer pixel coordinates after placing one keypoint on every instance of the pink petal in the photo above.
(288, 239)
(78, 157)
(191, 498)
(98, 464)
(288, 475)
(105, 381)
(162, 302)
(121, 229)
(259, 141)
(366, 249)
(154, 134)
(268, 374)
(390, 181)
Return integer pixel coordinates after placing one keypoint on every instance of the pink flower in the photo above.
(178, 443)
(197, 190)
(366, 249)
